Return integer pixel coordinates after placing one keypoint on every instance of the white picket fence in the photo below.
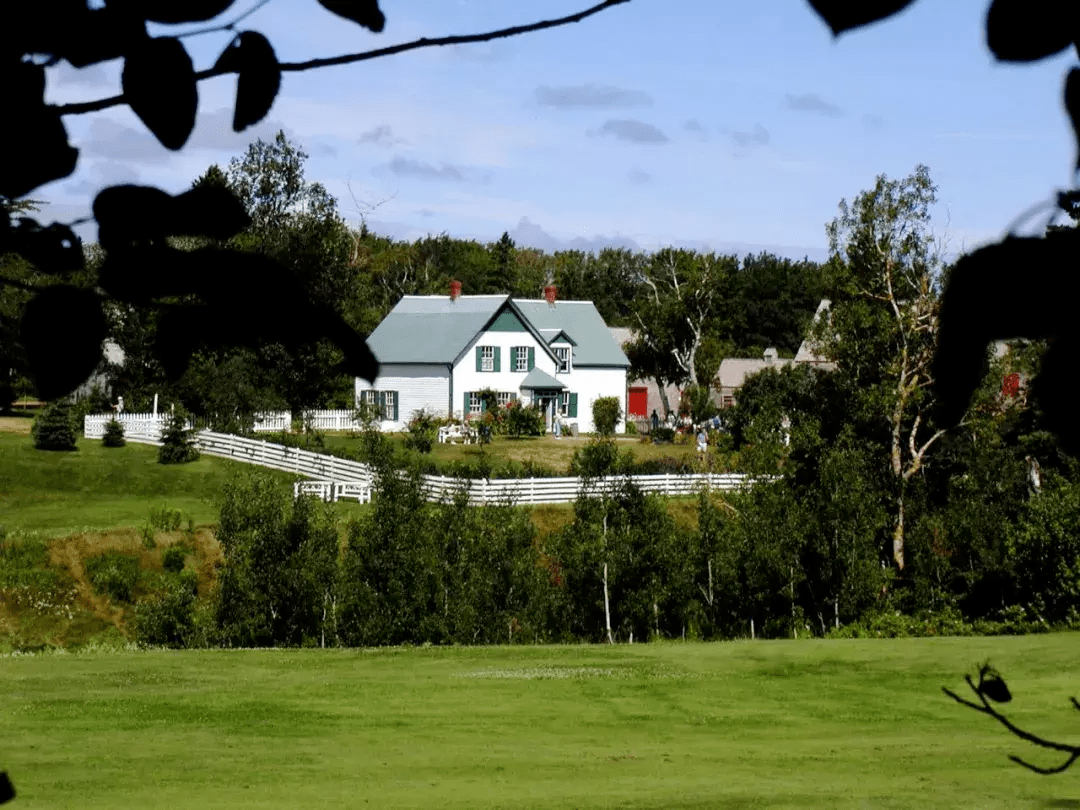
(268, 422)
(338, 478)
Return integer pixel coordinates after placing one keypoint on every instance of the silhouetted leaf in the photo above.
(90, 36)
(7, 790)
(127, 214)
(843, 15)
(159, 83)
(259, 81)
(364, 12)
(141, 274)
(179, 332)
(1072, 105)
(993, 687)
(35, 152)
(1026, 30)
(55, 249)
(174, 11)
(1053, 391)
(209, 210)
(134, 215)
(62, 330)
(26, 85)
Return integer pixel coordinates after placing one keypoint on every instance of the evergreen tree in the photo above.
(53, 429)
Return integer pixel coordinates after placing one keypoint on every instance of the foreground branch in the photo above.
(988, 679)
(346, 59)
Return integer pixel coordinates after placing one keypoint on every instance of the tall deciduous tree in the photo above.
(680, 295)
(882, 327)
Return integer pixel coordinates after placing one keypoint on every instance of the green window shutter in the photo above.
(572, 410)
(479, 359)
(468, 402)
(380, 402)
(396, 401)
(532, 358)
(513, 358)
(483, 405)
(495, 366)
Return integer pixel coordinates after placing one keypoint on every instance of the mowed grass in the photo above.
(828, 724)
(555, 454)
(97, 487)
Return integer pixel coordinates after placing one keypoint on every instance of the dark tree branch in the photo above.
(423, 42)
(229, 26)
(986, 708)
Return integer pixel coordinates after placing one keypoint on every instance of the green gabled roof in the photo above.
(540, 379)
(435, 329)
(432, 329)
(594, 345)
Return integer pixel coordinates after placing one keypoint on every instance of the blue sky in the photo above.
(732, 126)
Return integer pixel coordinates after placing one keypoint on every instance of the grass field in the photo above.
(97, 487)
(547, 451)
(829, 724)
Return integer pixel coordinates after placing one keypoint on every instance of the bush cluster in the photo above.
(114, 574)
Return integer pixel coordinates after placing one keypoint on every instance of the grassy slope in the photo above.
(835, 724)
(97, 487)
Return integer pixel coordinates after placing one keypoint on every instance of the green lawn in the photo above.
(97, 487)
(544, 450)
(829, 724)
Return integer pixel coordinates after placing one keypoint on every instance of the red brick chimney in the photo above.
(549, 293)
(455, 290)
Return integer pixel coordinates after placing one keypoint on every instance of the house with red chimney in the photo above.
(439, 353)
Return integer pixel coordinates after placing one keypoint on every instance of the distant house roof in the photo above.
(808, 351)
(436, 329)
(734, 370)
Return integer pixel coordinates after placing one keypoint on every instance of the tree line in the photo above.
(738, 306)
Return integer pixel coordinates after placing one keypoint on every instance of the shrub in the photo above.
(606, 414)
(172, 560)
(168, 619)
(114, 434)
(164, 519)
(696, 402)
(113, 574)
(423, 429)
(54, 428)
(523, 420)
(663, 434)
(177, 445)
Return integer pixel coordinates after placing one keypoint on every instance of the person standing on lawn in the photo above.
(556, 424)
(702, 440)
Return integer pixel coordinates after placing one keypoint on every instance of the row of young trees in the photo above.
(780, 560)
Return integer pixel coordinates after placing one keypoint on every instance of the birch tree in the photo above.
(679, 300)
(882, 330)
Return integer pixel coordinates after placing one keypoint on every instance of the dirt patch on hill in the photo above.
(98, 610)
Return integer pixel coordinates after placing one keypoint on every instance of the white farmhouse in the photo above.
(438, 352)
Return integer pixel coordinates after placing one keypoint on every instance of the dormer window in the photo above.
(562, 354)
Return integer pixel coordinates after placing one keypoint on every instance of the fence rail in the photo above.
(267, 422)
(337, 478)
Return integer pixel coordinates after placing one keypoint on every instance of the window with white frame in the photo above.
(521, 358)
(504, 398)
(487, 358)
(562, 354)
(564, 403)
(476, 404)
(384, 403)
